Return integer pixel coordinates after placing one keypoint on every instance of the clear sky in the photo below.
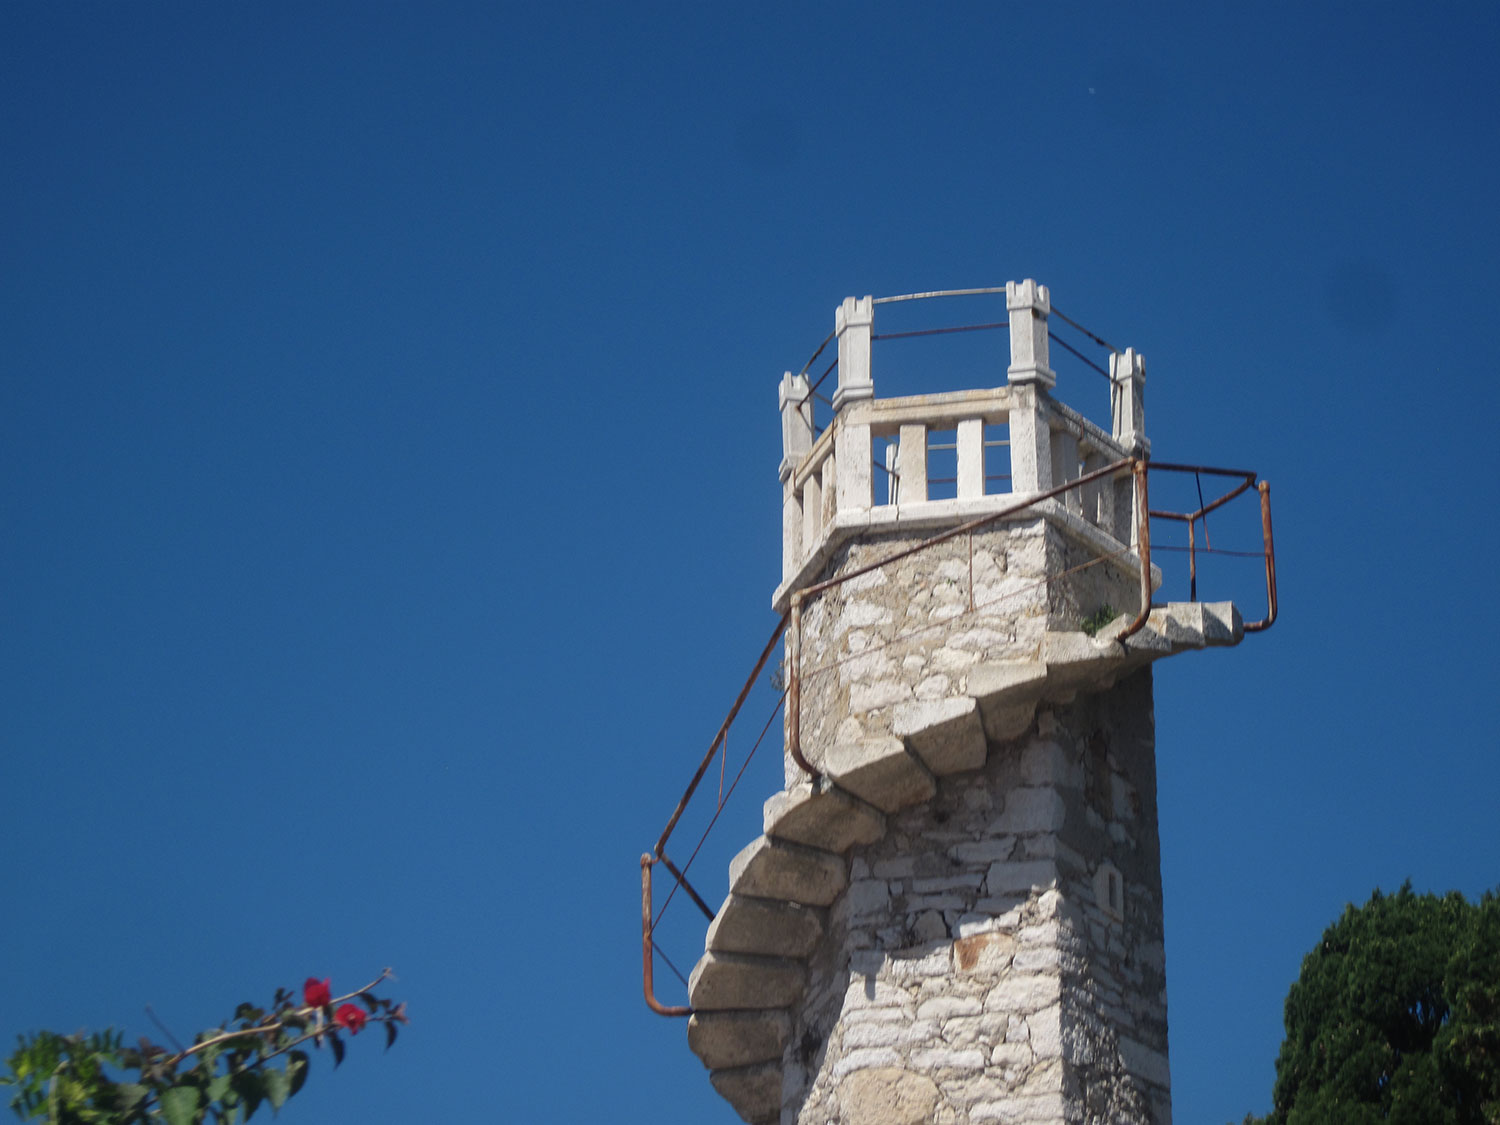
(388, 500)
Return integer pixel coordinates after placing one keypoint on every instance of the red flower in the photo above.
(351, 1017)
(317, 993)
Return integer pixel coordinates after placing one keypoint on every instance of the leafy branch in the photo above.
(223, 1077)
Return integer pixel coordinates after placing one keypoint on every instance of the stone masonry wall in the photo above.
(911, 631)
(998, 955)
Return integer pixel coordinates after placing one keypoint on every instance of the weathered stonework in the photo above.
(1004, 941)
(958, 918)
(902, 642)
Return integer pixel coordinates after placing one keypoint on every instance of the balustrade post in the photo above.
(795, 399)
(1027, 306)
(1127, 375)
(853, 323)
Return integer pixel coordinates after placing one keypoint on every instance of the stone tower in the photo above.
(955, 912)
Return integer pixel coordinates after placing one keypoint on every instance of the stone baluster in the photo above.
(911, 463)
(1065, 467)
(970, 441)
(812, 510)
(1099, 495)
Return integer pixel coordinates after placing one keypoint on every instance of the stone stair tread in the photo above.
(754, 1091)
(721, 981)
(946, 734)
(822, 816)
(737, 1038)
(1222, 623)
(764, 926)
(767, 868)
(1005, 681)
(879, 770)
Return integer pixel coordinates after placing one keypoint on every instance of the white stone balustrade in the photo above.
(833, 487)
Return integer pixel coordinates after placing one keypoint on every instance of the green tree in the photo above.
(1396, 1017)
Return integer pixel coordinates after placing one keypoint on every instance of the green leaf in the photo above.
(278, 1087)
(128, 1095)
(249, 1085)
(296, 1068)
(218, 1086)
(179, 1105)
(338, 1048)
(390, 1034)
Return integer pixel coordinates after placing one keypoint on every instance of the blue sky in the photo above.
(387, 476)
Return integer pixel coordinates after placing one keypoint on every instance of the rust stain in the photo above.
(968, 950)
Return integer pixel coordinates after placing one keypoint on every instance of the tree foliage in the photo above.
(1396, 1017)
(224, 1077)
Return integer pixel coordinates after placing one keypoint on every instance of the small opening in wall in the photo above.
(1116, 898)
(996, 458)
(942, 464)
(884, 476)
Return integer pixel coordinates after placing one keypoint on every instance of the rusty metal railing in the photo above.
(790, 625)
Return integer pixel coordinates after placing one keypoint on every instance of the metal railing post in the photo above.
(647, 947)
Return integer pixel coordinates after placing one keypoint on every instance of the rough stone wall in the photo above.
(909, 632)
(998, 955)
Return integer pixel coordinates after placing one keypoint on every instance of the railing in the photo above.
(877, 458)
(1133, 550)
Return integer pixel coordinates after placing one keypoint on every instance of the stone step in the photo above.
(822, 816)
(946, 734)
(1216, 623)
(730, 1039)
(790, 872)
(754, 1091)
(881, 771)
(764, 926)
(1007, 693)
(724, 981)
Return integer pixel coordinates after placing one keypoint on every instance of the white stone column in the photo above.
(911, 463)
(853, 322)
(1127, 374)
(970, 442)
(1028, 305)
